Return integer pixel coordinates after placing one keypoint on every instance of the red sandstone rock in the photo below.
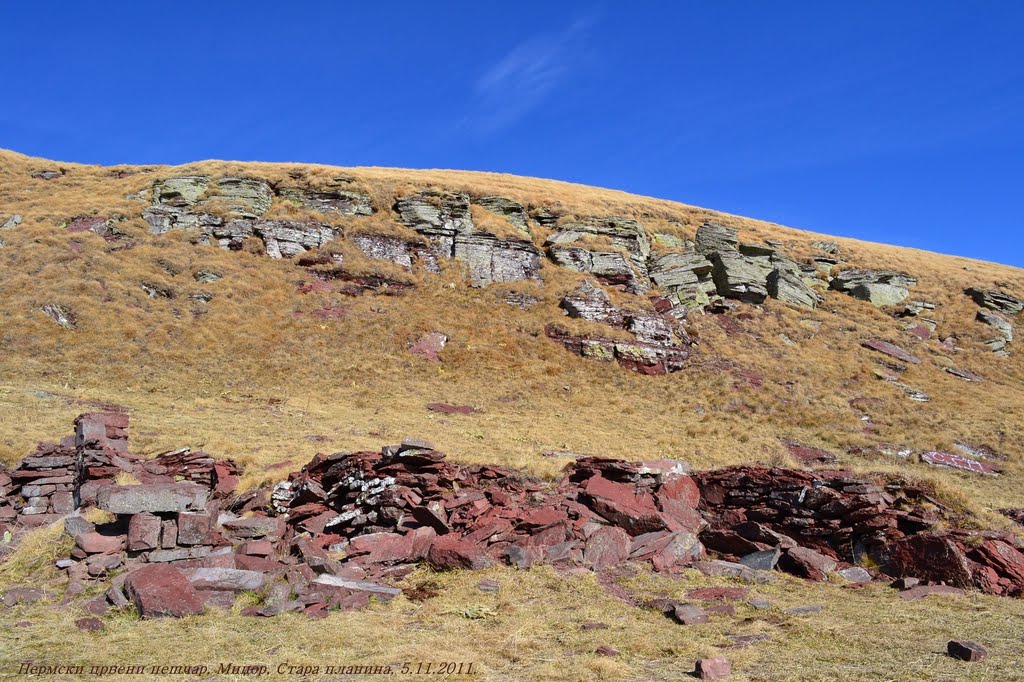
(382, 547)
(161, 590)
(807, 563)
(450, 552)
(95, 543)
(429, 346)
(945, 459)
(621, 505)
(891, 350)
(713, 668)
(932, 556)
(718, 593)
(606, 547)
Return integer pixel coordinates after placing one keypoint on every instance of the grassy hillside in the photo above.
(254, 375)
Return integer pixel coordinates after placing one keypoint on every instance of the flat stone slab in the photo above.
(946, 459)
(234, 579)
(358, 586)
(154, 498)
(892, 350)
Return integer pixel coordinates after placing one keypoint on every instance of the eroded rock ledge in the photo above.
(348, 526)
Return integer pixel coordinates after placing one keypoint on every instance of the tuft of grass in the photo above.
(33, 557)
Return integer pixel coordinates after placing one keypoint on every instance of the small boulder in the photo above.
(717, 668)
(689, 614)
(160, 590)
(966, 650)
(95, 543)
(450, 552)
(807, 563)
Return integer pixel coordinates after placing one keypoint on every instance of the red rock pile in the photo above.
(407, 503)
(339, 532)
(812, 524)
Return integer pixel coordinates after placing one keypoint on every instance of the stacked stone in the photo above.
(101, 443)
(41, 489)
(407, 503)
(8, 513)
(812, 524)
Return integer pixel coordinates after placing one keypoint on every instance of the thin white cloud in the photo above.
(526, 76)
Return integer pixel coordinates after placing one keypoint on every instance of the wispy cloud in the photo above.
(526, 76)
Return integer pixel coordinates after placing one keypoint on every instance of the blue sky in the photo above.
(897, 122)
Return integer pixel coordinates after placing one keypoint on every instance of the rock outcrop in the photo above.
(685, 277)
(340, 197)
(750, 273)
(510, 210)
(1002, 327)
(879, 287)
(446, 221)
(196, 202)
(621, 262)
(996, 300)
(287, 238)
(661, 346)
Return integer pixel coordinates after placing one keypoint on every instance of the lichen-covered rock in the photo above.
(741, 277)
(182, 191)
(11, 222)
(544, 217)
(437, 215)
(786, 283)
(187, 203)
(659, 348)
(686, 277)
(997, 300)
(879, 287)
(242, 197)
(229, 235)
(510, 210)
(1001, 325)
(639, 357)
(340, 197)
(589, 302)
(491, 259)
(385, 247)
(444, 218)
(287, 238)
(826, 246)
(712, 237)
(624, 233)
(610, 267)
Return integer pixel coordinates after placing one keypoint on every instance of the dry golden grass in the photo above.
(531, 629)
(244, 376)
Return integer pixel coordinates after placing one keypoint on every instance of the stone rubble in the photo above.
(341, 531)
(661, 346)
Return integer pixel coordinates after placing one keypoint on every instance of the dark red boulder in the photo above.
(162, 590)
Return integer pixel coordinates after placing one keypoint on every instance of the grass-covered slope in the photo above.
(255, 374)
